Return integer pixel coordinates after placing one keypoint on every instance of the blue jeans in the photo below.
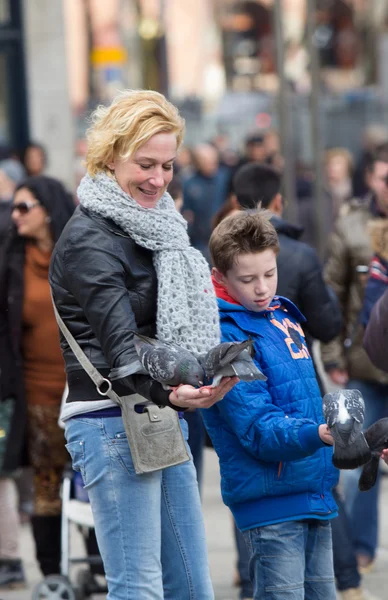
(292, 560)
(149, 527)
(362, 507)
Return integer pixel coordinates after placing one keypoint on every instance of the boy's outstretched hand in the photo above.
(325, 435)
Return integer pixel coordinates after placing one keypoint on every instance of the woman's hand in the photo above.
(384, 455)
(187, 396)
(325, 435)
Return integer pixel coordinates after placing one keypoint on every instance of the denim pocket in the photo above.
(77, 453)
(120, 437)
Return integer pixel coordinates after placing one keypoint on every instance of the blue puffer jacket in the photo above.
(274, 466)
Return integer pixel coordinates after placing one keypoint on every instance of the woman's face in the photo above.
(31, 218)
(146, 175)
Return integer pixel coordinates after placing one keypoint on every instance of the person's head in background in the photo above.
(376, 177)
(338, 164)
(176, 192)
(229, 207)
(258, 184)
(374, 136)
(41, 208)
(11, 173)
(34, 159)
(243, 249)
(206, 159)
(254, 148)
(184, 160)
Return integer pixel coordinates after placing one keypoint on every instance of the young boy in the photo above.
(270, 437)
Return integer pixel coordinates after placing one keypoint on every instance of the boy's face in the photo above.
(252, 281)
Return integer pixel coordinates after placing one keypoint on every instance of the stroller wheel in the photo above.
(54, 587)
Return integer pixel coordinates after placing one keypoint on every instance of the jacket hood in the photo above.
(288, 229)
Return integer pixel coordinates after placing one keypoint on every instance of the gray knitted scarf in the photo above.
(187, 312)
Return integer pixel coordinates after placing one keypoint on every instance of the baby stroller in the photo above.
(75, 509)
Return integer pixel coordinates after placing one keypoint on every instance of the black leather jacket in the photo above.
(104, 286)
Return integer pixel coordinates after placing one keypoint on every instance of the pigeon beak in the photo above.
(200, 383)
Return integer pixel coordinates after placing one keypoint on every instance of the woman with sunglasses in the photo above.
(34, 375)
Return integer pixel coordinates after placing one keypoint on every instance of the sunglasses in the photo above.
(24, 207)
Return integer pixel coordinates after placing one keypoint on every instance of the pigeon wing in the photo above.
(355, 405)
(160, 363)
(224, 354)
(330, 408)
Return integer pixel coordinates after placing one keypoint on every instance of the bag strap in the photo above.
(85, 363)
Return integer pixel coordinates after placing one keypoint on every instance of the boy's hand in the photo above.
(325, 435)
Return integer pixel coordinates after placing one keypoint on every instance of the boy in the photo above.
(270, 437)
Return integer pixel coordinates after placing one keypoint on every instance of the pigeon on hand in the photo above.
(231, 359)
(168, 363)
(344, 415)
(377, 438)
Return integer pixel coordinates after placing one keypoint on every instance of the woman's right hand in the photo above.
(187, 396)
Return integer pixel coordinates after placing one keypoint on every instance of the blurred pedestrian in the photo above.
(11, 172)
(184, 164)
(40, 209)
(338, 187)
(203, 195)
(12, 406)
(34, 159)
(378, 268)
(345, 360)
(372, 137)
(255, 150)
(376, 334)
(124, 263)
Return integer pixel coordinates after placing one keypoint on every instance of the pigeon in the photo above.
(231, 359)
(377, 438)
(344, 415)
(168, 363)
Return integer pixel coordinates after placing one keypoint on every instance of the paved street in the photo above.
(221, 549)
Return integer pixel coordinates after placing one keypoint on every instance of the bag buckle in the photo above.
(102, 382)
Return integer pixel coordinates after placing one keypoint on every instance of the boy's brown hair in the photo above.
(242, 233)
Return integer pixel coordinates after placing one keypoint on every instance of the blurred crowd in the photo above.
(211, 180)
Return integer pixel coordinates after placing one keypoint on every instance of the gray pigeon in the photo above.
(377, 438)
(344, 415)
(168, 363)
(231, 359)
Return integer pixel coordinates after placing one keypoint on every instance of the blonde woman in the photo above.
(124, 262)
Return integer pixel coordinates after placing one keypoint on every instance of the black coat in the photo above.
(301, 280)
(104, 286)
(11, 366)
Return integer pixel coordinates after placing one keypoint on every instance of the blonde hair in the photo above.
(133, 117)
(340, 152)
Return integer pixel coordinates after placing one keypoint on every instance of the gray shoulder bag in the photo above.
(154, 433)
